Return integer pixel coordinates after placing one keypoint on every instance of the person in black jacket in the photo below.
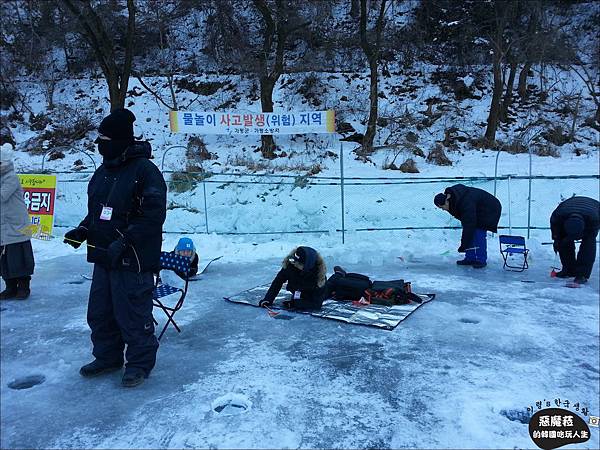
(123, 229)
(306, 275)
(478, 212)
(576, 218)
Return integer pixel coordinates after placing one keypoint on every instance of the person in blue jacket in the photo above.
(478, 212)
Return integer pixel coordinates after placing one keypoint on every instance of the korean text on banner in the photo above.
(39, 193)
(238, 123)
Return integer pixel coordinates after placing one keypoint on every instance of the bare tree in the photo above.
(371, 48)
(94, 30)
(499, 46)
(163, 17)
(279, 24)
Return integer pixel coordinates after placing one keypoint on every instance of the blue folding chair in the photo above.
(181, 265)
(514, 246)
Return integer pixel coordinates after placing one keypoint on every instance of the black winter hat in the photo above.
(439, 200)
(118, 125)
(300, 255)
(574, 226)
(307, 256)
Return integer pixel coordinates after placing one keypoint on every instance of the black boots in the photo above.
(16, 289)
(23, 290)
(11, 290)
(96, 368)
(133, 377)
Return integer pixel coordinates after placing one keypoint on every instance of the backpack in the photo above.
(349, 287)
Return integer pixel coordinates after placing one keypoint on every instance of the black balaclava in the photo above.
(118, 126)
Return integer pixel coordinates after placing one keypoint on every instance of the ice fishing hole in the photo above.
(516, 415)
(75, 282)
(231, 404)
(465, 320)
(27, 382)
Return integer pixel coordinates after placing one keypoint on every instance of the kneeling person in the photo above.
(306, 274)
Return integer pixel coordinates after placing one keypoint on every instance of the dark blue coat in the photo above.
(135, 190)
(475, 208)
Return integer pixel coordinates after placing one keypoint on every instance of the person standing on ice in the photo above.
(16, 254)
(123, 228)
(306, 275)
(478, 212)
(576, 218)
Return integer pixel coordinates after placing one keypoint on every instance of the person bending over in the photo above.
(576, 218)
(478, 212)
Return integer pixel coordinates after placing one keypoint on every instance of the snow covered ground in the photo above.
(453, 375)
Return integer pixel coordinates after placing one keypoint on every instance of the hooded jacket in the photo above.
(135, 190)
(475, 208)
(309, 279)
(13, 212)
(586, 208)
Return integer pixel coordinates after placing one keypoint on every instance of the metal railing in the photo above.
(235, 203)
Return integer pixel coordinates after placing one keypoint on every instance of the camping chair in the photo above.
(514, 246)
(176, 263)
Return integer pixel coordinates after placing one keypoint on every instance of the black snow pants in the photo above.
(580, 266)
(119, 313)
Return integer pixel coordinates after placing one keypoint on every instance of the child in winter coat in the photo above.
(306, 274)
(16, 254)
(185, 247)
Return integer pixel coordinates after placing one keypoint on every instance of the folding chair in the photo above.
(513, 246)
(176, 263)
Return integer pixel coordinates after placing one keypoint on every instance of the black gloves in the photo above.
(75, 237)
(115, 250)
(556, 245)
(264, 303)
(462, 249)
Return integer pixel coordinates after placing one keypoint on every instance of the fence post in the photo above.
(529, 197)
(205, 208)
(342, 191)
(496, 171)
(509, 202)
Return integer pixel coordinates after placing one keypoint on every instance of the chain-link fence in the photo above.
(251, 204)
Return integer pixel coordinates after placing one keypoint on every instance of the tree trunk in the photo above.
(97, 36)
(355, 9)
(523, 80)
(372, 51)
(508, 95)
(373, 110)
(492, 121)
(268, 146)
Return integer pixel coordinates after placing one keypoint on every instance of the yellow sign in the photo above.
(39, 193)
